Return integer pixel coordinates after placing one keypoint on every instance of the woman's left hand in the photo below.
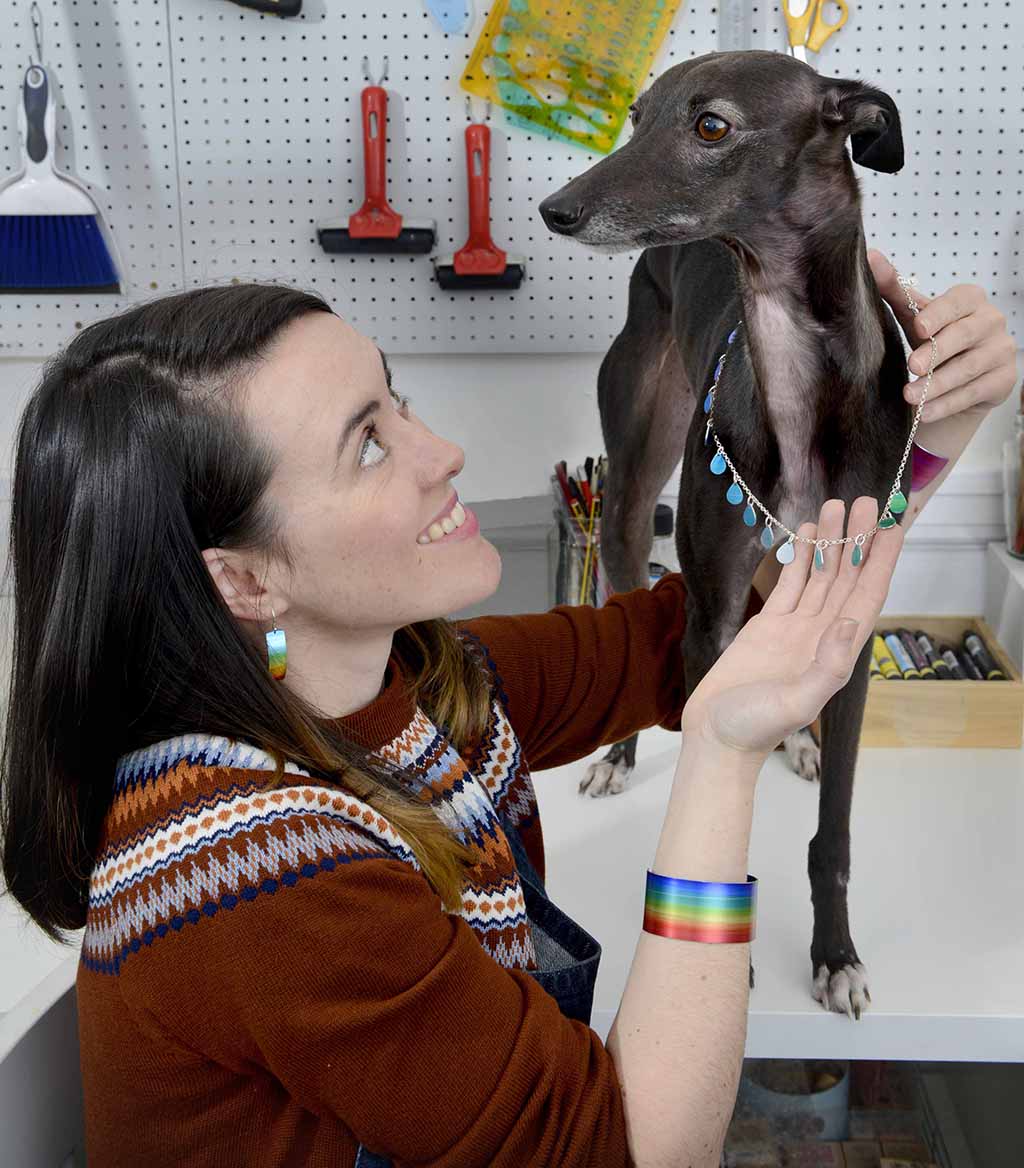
(976, 367)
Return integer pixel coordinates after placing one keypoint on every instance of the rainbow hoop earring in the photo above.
(277, 650)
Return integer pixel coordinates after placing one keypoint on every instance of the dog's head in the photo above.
(721, 145)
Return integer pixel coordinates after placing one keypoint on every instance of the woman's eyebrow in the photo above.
(387, 367)
(362, 414)
(354, 423)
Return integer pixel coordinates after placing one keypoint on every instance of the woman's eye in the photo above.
(372, 453)
(712, 128)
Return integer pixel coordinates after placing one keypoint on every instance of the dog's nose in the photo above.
(562, 218)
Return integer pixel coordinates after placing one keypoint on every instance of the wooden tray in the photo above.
(946, 713)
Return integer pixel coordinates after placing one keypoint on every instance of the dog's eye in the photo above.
(634, 112)
(712, 128)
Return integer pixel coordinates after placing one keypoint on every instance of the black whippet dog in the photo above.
(737, 183)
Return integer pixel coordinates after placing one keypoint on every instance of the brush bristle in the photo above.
(49, 252)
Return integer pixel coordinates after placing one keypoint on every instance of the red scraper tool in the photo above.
(375, 227)
(479, 263)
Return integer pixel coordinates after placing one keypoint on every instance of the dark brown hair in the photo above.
(131, 459)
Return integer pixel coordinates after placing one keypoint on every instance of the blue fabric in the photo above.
(567, 955)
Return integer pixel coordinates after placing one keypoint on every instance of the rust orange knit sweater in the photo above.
(268, 979)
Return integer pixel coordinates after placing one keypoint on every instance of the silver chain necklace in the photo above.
(895, 504)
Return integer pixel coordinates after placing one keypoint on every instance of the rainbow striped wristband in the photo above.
(698, 910)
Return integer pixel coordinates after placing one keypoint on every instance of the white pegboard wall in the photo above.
(265, 140)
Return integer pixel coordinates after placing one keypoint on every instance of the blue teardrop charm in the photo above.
(786, 553)
(734, 494)
(707, 403)
(819, 559)
(718, 464)
(732, 335)
(718, 368)
(898, 503)
(749, 517)
(767, 539)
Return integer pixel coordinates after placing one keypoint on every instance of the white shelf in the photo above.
(935, 898)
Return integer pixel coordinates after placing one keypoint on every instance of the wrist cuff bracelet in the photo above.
(699, 910)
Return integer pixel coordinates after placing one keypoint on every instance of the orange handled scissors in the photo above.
(808, 28)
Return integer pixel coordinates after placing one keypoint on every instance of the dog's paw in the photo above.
(607, 777)
(804, 754)
(845, 991)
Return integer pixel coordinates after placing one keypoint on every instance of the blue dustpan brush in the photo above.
(51, 234)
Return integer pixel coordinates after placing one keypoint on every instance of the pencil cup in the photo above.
(574, 553)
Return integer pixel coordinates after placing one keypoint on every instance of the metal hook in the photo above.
(369, 77)
(469, 109)
(36, 16)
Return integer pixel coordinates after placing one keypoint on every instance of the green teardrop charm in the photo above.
(886, 522)
(819, 559)
(898, 503)
(857, 556)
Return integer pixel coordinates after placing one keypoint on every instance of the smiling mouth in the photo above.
(451, 521)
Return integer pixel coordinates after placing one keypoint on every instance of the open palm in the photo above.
(787, 661)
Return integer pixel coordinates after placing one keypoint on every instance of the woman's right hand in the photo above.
(787, 661)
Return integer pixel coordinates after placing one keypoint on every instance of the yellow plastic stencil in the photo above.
(569, 68)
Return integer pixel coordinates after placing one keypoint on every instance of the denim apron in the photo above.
(566, 955)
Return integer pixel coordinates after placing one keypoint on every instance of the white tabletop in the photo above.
(935, 903)
(935, 898)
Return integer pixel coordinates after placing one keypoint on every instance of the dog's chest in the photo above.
(788, 370)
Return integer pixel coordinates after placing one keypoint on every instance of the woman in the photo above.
(293, 807)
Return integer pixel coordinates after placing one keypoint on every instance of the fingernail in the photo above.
(847, 630)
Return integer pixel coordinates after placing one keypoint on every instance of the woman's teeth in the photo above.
(444, 526)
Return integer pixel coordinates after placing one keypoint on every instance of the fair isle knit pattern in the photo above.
(194, 831)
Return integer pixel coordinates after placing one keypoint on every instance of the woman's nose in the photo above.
(444, 461)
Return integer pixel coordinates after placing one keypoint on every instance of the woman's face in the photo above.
(363, 490)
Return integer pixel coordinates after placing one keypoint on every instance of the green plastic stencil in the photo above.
(569, 68)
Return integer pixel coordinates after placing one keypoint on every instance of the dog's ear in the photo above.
(871, 120)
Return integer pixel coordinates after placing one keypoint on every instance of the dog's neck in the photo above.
(809, 299)
(810, 318)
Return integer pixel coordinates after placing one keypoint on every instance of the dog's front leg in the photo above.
(840, 980)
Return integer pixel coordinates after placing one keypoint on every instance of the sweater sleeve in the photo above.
(369, 1003)
(578, 677)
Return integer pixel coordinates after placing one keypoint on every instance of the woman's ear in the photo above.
(246, 597)
(871, 120)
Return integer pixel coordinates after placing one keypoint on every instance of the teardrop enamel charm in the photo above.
(734, 494)
(767, 538)
(707, 403)
(858, 553)
(718, 464)
(898, 503)
(886, 522)
(732, 335)
(749, 517)
(819, 557)
(786, 553)
(718, 367)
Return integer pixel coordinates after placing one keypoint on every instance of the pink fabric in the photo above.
(924, 466)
